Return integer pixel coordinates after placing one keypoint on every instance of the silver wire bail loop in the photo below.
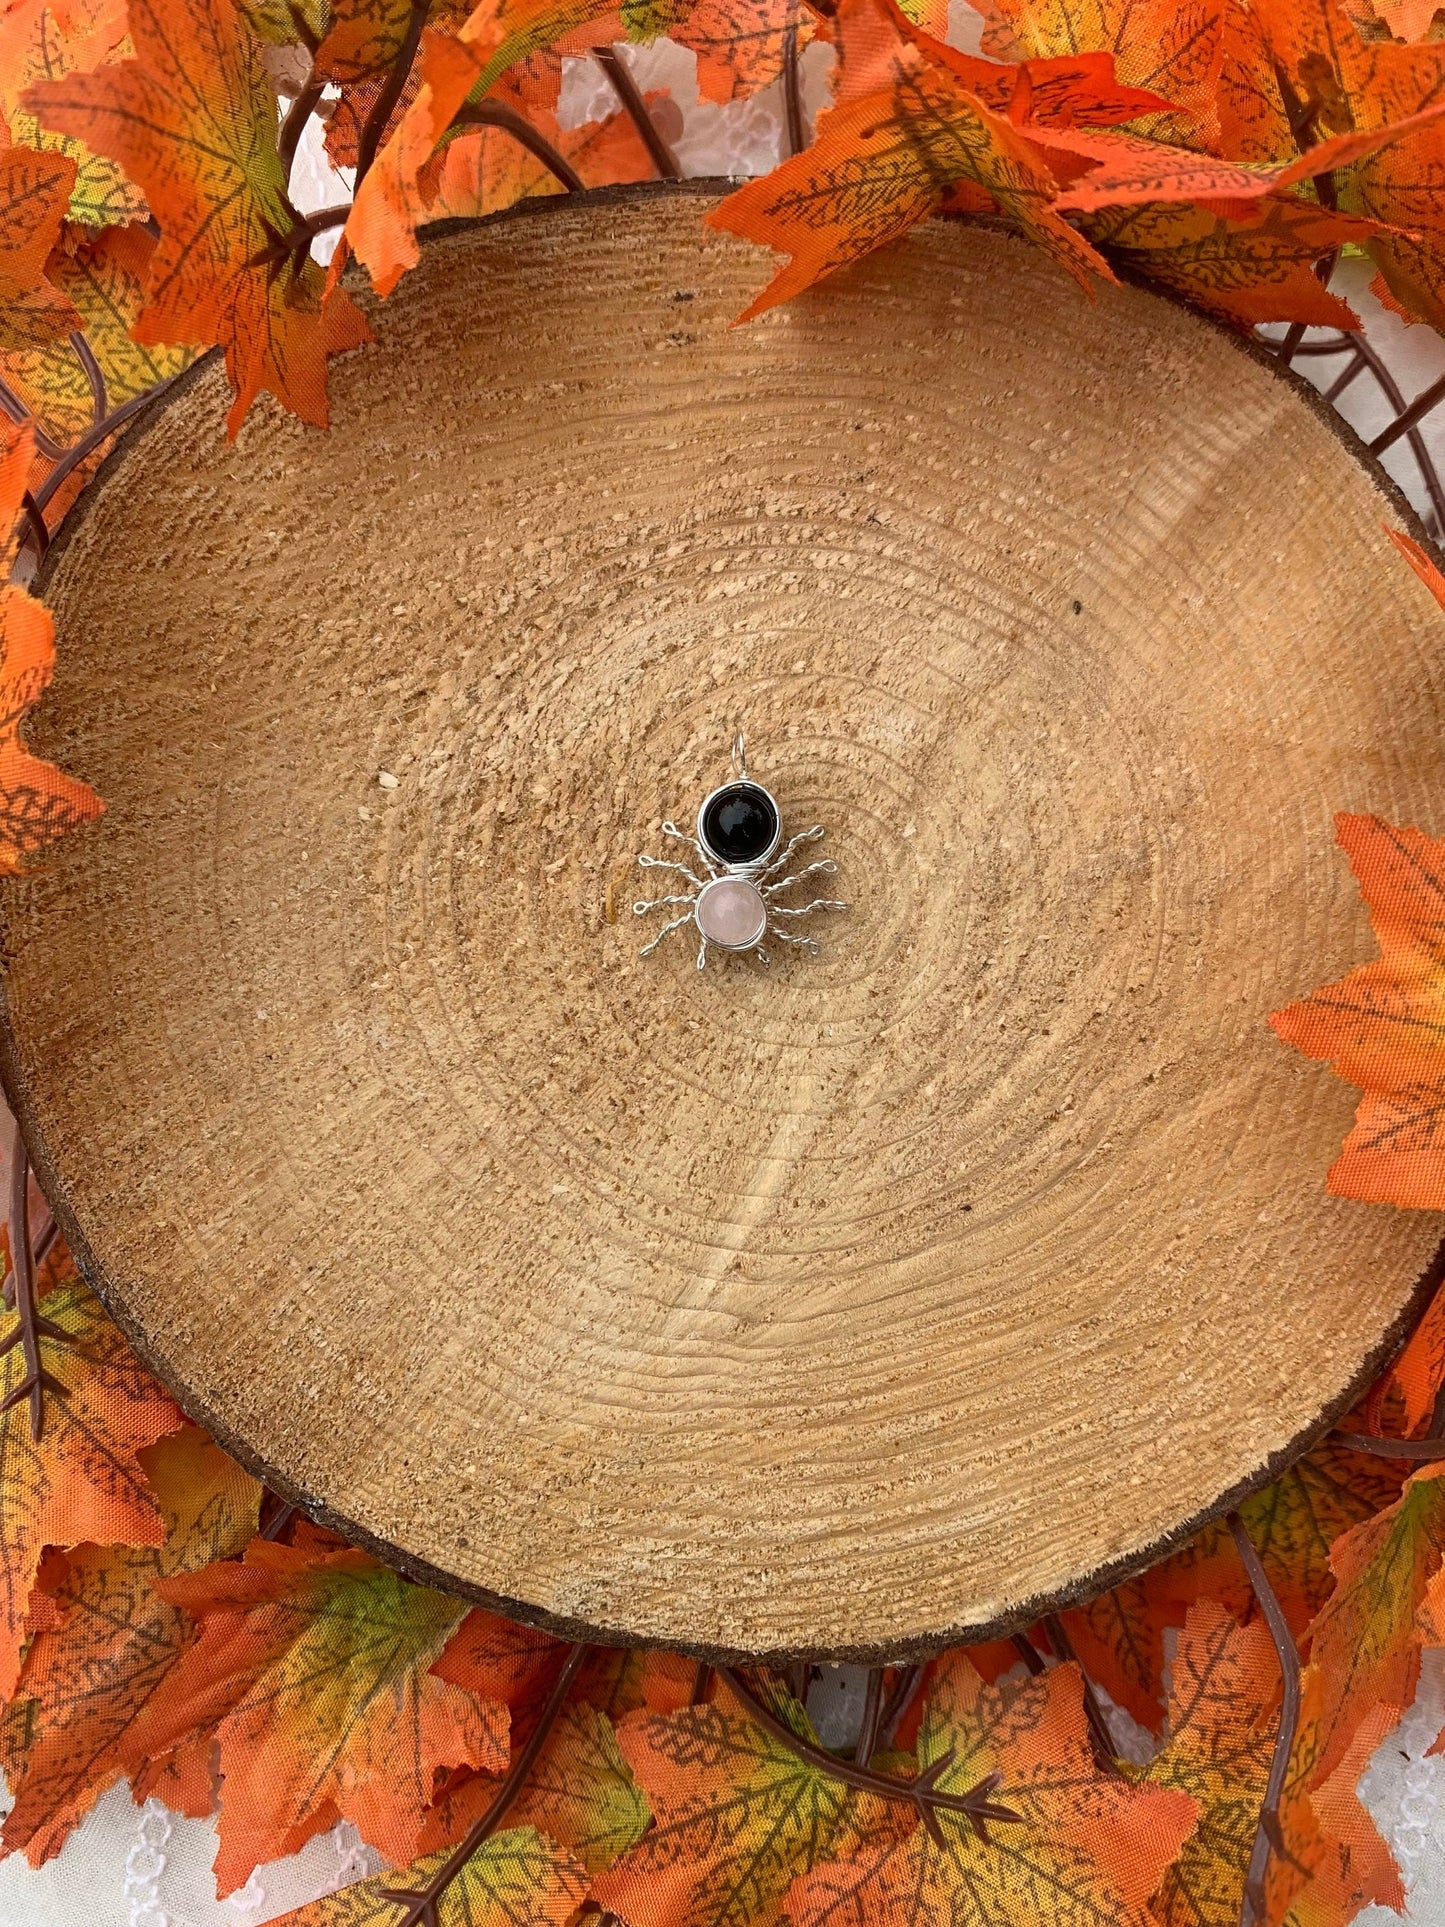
(740, 755)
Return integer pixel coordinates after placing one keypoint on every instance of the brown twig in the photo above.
(905, 1690)
(872, 1718)
(294, 126)
(792, 85)
(1268, 1837)
(421, 1905)
(1100, 1738)
(701, 1681)
(30, 1324)
(1413, 413)
(625, 88)
(922, 1794)
(94, 374)
(376, 121)
(1029, 1653)
(1422, 1449)
(93, 437)
(11, 404)
(279, 1520)
(497, 113)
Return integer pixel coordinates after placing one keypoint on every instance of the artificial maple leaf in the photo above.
(481, 173)
(1421, 562)
(1087, 1850)
(104, 277)
(1365, 1641)
(1222, 1722)
(738, 1816)
(880, 163)
(37, 804)
(34, 190)
(81, 1481)
(364, 37)
(312, 1668)
(1135, 170)
(578, 1793)
(498, 1660)
(1243, 270)
(1293, 1522)
(1330, 1860)
(1383, 1026)
(621, 1679)
(515, 1879)
(1171, 48)
(392, 202)
(114, 1638)
(192, 119)
(1249, 111)
(1336, 81)
(740, 43)
(40, 42)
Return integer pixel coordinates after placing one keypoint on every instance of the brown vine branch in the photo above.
(701, 1681)
(391, 91)
(30, 1323)
(1409, 416)
(497, 113)
(872, 1718)
(294, 126)
(101, 431)
(11, 404)
(625, 88)
(906, 1689)
(1421, 1449)
(792, 85)
(94, 374)
(1268, 1837)
(421, 1905)
(922, 1794)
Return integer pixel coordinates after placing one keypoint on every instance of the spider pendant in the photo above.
(734, 904)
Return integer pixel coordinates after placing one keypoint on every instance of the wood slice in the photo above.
(842, 1307)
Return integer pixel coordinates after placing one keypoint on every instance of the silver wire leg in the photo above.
(826, 868)
(676, 924)
(803, 836)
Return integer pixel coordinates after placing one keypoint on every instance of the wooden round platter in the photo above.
(844, 1307)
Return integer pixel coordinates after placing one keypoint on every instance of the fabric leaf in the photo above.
(1222, 1723)
(1383, 1026)
(87, 1677)
(192, 119)
(737, 1817)
(312, 1668)
(1088, 1850)
(879, 164)
(39, 41)
(515, 1879)
(34, 191)
(83, 1480)
(104, 277)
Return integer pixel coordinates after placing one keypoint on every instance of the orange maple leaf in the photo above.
(1383, 1026)
(82, 1479)
(104, 275)
(312, 1669)
(1223, 1717)
(39, 41)
(1089, 1848)
(516, 1878)
(1172, 47)
(37, 801)
(1338, 82)
(192, 119)
(1365, 1641)
(1420, 561)
(882, 161)
(739, 43)
(738, 1816)
(87, 1676)
(34, 191)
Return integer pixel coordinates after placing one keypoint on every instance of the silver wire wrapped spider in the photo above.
(739, 828)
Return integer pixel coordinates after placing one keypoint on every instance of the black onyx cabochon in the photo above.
(739, 823)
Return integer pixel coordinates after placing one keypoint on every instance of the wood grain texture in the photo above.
(837, 1308)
